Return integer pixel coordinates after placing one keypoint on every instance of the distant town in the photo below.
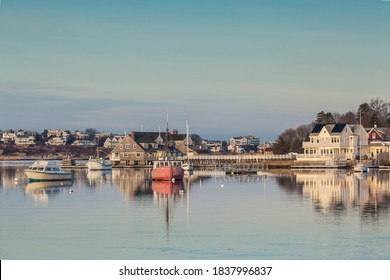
(57, 143)
(323, 145)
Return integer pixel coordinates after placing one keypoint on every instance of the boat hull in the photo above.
(48, 176)
(95, 165)
(360, 168)
(168, 173)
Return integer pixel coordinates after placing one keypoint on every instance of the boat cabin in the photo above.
(161, 163)
(44, 166)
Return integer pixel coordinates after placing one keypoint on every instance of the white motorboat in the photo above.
(360, 167)
(43, 170)
(98, 164)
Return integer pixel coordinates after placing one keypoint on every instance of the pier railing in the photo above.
(239, 158)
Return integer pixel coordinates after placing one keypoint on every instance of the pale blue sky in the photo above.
(228, 67)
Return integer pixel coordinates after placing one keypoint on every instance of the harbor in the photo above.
(134, 217)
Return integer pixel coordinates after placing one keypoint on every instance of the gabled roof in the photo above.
(178, 137)
(317, 128)
(146, 139)
(330, 128)
(379, 131)
(154, 135)
(338, 128)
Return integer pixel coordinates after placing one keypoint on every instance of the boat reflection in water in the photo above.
(43, 190)
(165, 194)
(98, 177)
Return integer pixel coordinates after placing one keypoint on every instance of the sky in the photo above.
(228, 67)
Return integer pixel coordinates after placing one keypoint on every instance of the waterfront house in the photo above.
(378, 134)
(142, 148)
(335, 142)
(380, 152)
(129, 152)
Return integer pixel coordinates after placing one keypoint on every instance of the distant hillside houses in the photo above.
(8, 136)
(113, 141)
(216, 146)
(244, 144)
(20, 137)
(137, 147)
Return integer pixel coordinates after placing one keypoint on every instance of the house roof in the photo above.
(317, 128)
(178, 137)
(331, 128)
(338, 128)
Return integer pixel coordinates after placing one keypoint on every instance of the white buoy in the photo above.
(70, 190)
(221, 185)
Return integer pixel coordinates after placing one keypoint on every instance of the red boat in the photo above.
(167, 170)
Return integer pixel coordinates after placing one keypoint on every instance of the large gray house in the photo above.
(142, 148)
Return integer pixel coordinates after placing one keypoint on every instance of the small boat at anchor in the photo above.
(167, 170)
(98, 163)
(42, 170)
(360, 167)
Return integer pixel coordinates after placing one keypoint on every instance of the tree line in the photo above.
(376, 112)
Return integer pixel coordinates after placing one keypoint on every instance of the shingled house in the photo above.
(142, 148)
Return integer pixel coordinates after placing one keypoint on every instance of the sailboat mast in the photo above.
(166, 139)
(187, 136)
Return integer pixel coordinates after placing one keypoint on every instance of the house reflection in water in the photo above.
(132, 182)
(337, 192)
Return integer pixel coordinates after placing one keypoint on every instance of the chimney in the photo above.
(175, 132)
(132, 135)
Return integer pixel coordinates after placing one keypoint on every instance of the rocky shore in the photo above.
(13, 152)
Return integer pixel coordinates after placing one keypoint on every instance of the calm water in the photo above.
(123, 215)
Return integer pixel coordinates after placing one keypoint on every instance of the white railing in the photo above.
(245, 157)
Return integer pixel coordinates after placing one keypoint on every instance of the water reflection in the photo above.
(166, 194)
(132, 182)
(43, 191)
(338, 192)
(97, 178)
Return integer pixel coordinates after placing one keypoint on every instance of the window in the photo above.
(138, 155)
(126, 155)
(134, 146)
(127, 146)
